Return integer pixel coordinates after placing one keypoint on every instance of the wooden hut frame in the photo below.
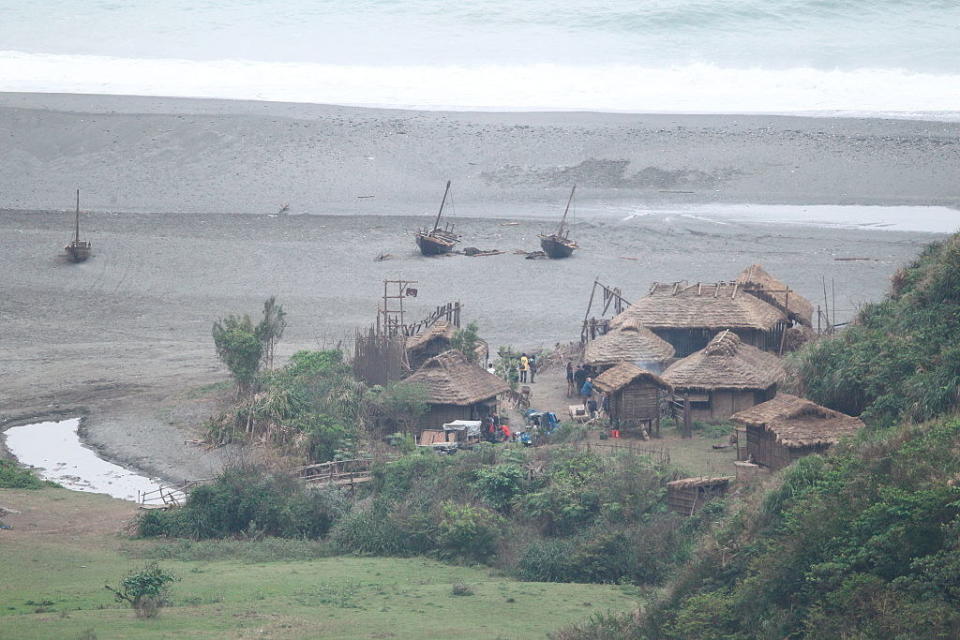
(456, 389)
(431, 342)
(635, 396)
(688, 495)
(787, 427)
(725, 377)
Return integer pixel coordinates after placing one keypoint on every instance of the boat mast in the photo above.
(77, 238)
(564, 218)
(436, 225)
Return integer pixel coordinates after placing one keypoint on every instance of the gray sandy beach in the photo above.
(180, 200)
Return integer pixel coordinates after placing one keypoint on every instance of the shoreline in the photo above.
(133, 153)
(125, 336)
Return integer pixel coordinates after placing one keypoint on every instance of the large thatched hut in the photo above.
(756, 281)
(456, 389)
(628, 342)
(634, 394)
(687, 495)
(431, 342)
(724, 377)
(787, 427)
(689, 315)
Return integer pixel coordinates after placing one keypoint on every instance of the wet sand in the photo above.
(124, 337)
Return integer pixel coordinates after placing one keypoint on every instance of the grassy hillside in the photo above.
(64, 548)
(864, 543)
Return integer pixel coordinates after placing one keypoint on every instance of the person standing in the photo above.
(587, 391)
(524, 367)
(569, 378)
(579, 377)
(532, 363)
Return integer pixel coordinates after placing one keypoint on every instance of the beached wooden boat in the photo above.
(438, 240)
(78, 250)
(559, 244)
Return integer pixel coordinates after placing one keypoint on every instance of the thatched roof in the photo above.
(629, 342)
(618, 377)
(701, 481)
(760, 283)
(721, 305)
(449, 378)
(726, 363)
(441, 330)
(798, 422)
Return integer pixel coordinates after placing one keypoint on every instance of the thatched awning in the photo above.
(441, 330)
(629, 342)
(717, 306)
(726, 363)
(701, 481)
(623, 374)
(761, 284)
(449, 378)
(798, 422)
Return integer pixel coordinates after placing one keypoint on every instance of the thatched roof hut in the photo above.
(758, 282)
(726, 363)
(687, 495)
(629, 342)
(726, 376)
(721, 305)
(687, 315)
(635, 396)
(456, 389)
(431, 342)
(787, 427)
(618, 377)
(450, 378)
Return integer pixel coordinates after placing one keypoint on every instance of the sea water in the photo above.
(852, 57)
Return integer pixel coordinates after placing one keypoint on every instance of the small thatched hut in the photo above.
(634, 396)
(725, 377)
(787, 427)
(428, 343)
(629, 342)
(456, 389)
(756, 281)
(688, 315)
(687, 495)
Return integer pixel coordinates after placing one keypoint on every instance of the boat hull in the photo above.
(78, 252)
(556, 247)
(432, 245)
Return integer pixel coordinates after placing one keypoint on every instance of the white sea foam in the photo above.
(692, 88)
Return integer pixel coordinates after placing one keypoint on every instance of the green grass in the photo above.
(52, 587)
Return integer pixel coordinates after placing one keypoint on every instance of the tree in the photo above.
(239, 347)
(467, 341)
(270, 329)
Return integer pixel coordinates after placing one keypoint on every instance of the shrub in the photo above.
(245, 500)
(146, 589)
(465, 531)
(461, 589)
(13, 476)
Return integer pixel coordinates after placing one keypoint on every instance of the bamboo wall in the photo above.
(765, 450)
(635, 405)
(688, 500)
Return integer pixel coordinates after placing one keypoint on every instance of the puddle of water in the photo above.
(54, 448)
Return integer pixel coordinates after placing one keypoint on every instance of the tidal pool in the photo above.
(55, 450)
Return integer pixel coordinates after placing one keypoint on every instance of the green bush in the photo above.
(244, 500)
(146, 589)
(13, 476)
(468, 532)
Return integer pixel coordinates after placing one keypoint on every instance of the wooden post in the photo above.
(687, 417)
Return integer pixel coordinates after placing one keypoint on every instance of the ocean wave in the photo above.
(691, 88)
